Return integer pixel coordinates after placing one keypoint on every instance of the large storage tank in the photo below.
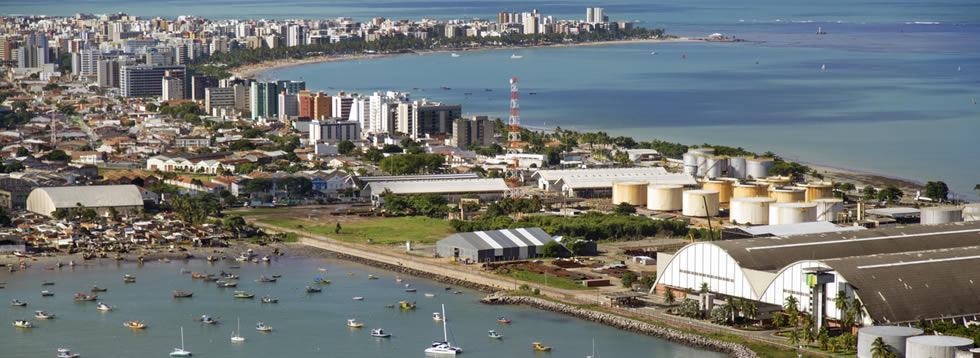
(750, 190)
(792, 213)
(702, 163)
(691, 163)
(777, 181)
(941, 215)
(828, 208)
(758, 167)
(694, 203)
(632, 192)
(819, 190)
(665, 197)
(736, 167)
(703, 150)
(753, 211)
(971, 212)
(894, 336)
(714, 166)
(936, 346)
(723, 187)
(788, 194)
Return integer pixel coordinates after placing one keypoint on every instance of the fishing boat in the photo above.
(454, 54)
(181, 352)
(104, 307)
(514, 57)
(389, 306)
(448, 288)
(823, 67)
(46, 293)
(409, 290)
(487, 90)
(243, 294)
(430, 294)
(212, 258)
(266, 279)
(501, 319)
(406, 306)
(321, 281)
(358, 298)
(457, 292)
(372, 277)
(398, 279)
(20, 323)
(225, 284)
(135, 324)
(270, 300)
(266, 259)
(207, 319)
(653, 52)
(237, 336)
(311, 289)
(43, 315)
(353, 323)
(129, 279)
(444, 346)
(538, 347)
(99, 289)
(81, 297)
(182, 294)
(66, 353)
(493, 334)
(210, 277)
(436, 316)
(47, 283)
(261, 327)
(321, 269)
(380, 333)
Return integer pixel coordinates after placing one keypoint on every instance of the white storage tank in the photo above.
(702, 150)
(702, 164)
(758, 168)
(665, 197)
(827, 209)
(714, 166)
(754, 210)
(736, 167)
(694, 203)
(792, 213)
(941, 215)
(936, 346)
(894, 336)
(971, 212)
(691, 163)
(632, 192)
(788, 194)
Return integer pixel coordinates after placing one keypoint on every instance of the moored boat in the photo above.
(129, 278)
(225, 284)
(266, 279)
(47, 283)
(43, 315)
(380, 333)
(268, 299)
(444, 346)
(353, 323)
(243, 294)
(99, 289)
(493, 334)
(262, 327)
(436, 316)
(66, 353)
(321, 281)
(406, 306)
(501, 319)
(20, 323)
(311, 289)
(207, 319)
(372, 277)
(18, 303)
(81, 297)
(46, 293)
(104, 307)
(135, 324)
(212, 258)
(237, 336)
(181, 352)
(540, 348)
(430, 294)
(182, 294)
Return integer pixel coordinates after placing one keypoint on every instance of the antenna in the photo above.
(514, 135)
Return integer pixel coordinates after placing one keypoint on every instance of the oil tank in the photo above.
(703, 150)
(818, 190)
(723, 187)
(777, 181)
(702, 164)
(788, 194)
(691, 163)
(736, 167)
(941, 215)
(750, 189)
(694, 203)
(665, 197)
(758, 167)
(753, 211)
(936, 346)
(792, 213)
(971, 212)
(632, 192)
(828, 208)
(894, 336)
(714, 166)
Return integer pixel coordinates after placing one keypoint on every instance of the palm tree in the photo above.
(792, 308)
(841, 302)
(977, 189)
(879, 349)
(733, 307)
(669, 297)
(779, 319)
(750, 310)
(794, 336)
(808, 329)
(858, 309)
(823, 337)
(704, 287)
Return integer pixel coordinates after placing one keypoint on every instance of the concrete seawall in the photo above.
(734, 350)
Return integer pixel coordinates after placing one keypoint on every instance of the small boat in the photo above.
(445, 88)
(454, 54)
(406, 306)
(43, 315)
(311, 289)
(358, 298)
(457, 292)
(398, 279)
(129, 279)
(493, 334)
(350, 273)
(268, 299)
(20, 323)
(81, 297)
(380, 333)
(353, 323)
(653, 52)
(104, 307)
(823, 67)
(436, 316)
(212, 258)
(243, 294)
(225, 284)
(207, 319)
(532, 93)
(181, 352)
(538, 347)
(18, 303)
(407, 285)
(46, 293)
(501, 319)
(389, 306)
(47, 283)
(410, 290)
(99, 289)
(182, 294)
(210, 277)
(444, 346)
(516, 57)
(266, 279)
(487, 90)
(430, 294)
(372, 277)
(266, 259)
(261, 327)
(448, 288)
(820, 31)
(164, 260)
(237, 337)
(66, 353)
(195, 275)
(321, 269)
(135, 324)
(19, 253)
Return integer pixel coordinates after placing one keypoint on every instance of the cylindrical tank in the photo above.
(936, 346)
(723, 187)
(758, 167)
(736, 167)
(971, 212)
(715, 165)
(828, 208)
(777, 181)
(894, 336)
(691, 163)
(818, 190)
(792, 213)
(703, 150)
(940, 215)
(694, 203)
(665, 197)
(753, 211)
(750, 189)
(632, 192)
(702, 164)
(788, 194)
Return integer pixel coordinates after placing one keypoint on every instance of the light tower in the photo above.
(514, 123)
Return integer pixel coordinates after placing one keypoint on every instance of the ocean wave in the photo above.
(922, 23)
(802, 21)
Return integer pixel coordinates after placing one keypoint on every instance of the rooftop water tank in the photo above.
(893, 336)
(936, 346)
(753, 211)
(700, 203)
(665, 197)
(940, 215)
(792, 213)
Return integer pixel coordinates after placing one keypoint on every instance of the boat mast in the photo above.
(445, 336)
(182, 338)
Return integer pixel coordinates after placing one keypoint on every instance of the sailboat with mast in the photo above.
(445, 346)
(237, 335)
(181, 352)
(593, 350)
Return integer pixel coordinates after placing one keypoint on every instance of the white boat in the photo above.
(104, 307)
(237, 336)
(593, 350)
(43, 315)
(66, 353)
(181, 352)
(358, 298)
(653, 52)
(261, 327)
(129, 279)
(430, 294)
(823, 67)
(455, 54)
(444, 346)
(436, 316)
(380, 333)
(353, 323)
(23, 324)
(512, 57)
(18, 303)
(493, 334)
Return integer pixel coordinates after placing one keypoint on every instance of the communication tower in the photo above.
(514, 123)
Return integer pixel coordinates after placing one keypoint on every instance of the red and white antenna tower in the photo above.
(514, 122)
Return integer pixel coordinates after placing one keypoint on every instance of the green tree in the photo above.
(779, 319)
(792, 308)
(624, 208)
(823, 338)
(234, 223)
(808, 335)
(669, 296)
(890, 194)
(879, 349)
(648, 281)
(794, 336)
(23, 152)
(840, 302)
(151, 107)
(345, 147)
(937, 190)
(552, 249)
(56, 155)
(870, 193)
(704, 287)
(373, 154)
(628, 279)
(113, 214)
(336, 230)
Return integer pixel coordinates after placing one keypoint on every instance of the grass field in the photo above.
(380, 231)
(253, 212)
(556, 282)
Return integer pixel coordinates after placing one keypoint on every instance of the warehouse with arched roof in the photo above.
(124, 198)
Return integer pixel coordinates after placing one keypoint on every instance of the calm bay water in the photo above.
(305, 325)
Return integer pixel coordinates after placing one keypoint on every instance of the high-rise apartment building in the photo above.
(291, 87)
(295, 36)
(595, 15)
(503, 17)
(85, 62)
(305, 99)
(146, 80)
(264, 99)
(288, 106)
(199, 83)
(321, 106)
(216, 97)
(530, 23)
(172, 86)
(475, 131)
(433, 118)
(108, 73)
(333, 130)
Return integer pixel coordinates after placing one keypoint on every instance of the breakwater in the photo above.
(734, 350)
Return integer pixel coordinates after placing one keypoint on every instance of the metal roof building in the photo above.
(497, 245)
(596, 182)
(486, 189)
(124, 198)
(804, 228)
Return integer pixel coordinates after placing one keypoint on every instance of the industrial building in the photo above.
(497, 245)
(124, 198)
(901, 274)
(452, 190)
(599, 182)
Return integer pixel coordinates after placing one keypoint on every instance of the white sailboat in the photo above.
(237, 336)
(516, 57)
(180, 352)
(593, 350)
(823, 67)
(445, 346)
